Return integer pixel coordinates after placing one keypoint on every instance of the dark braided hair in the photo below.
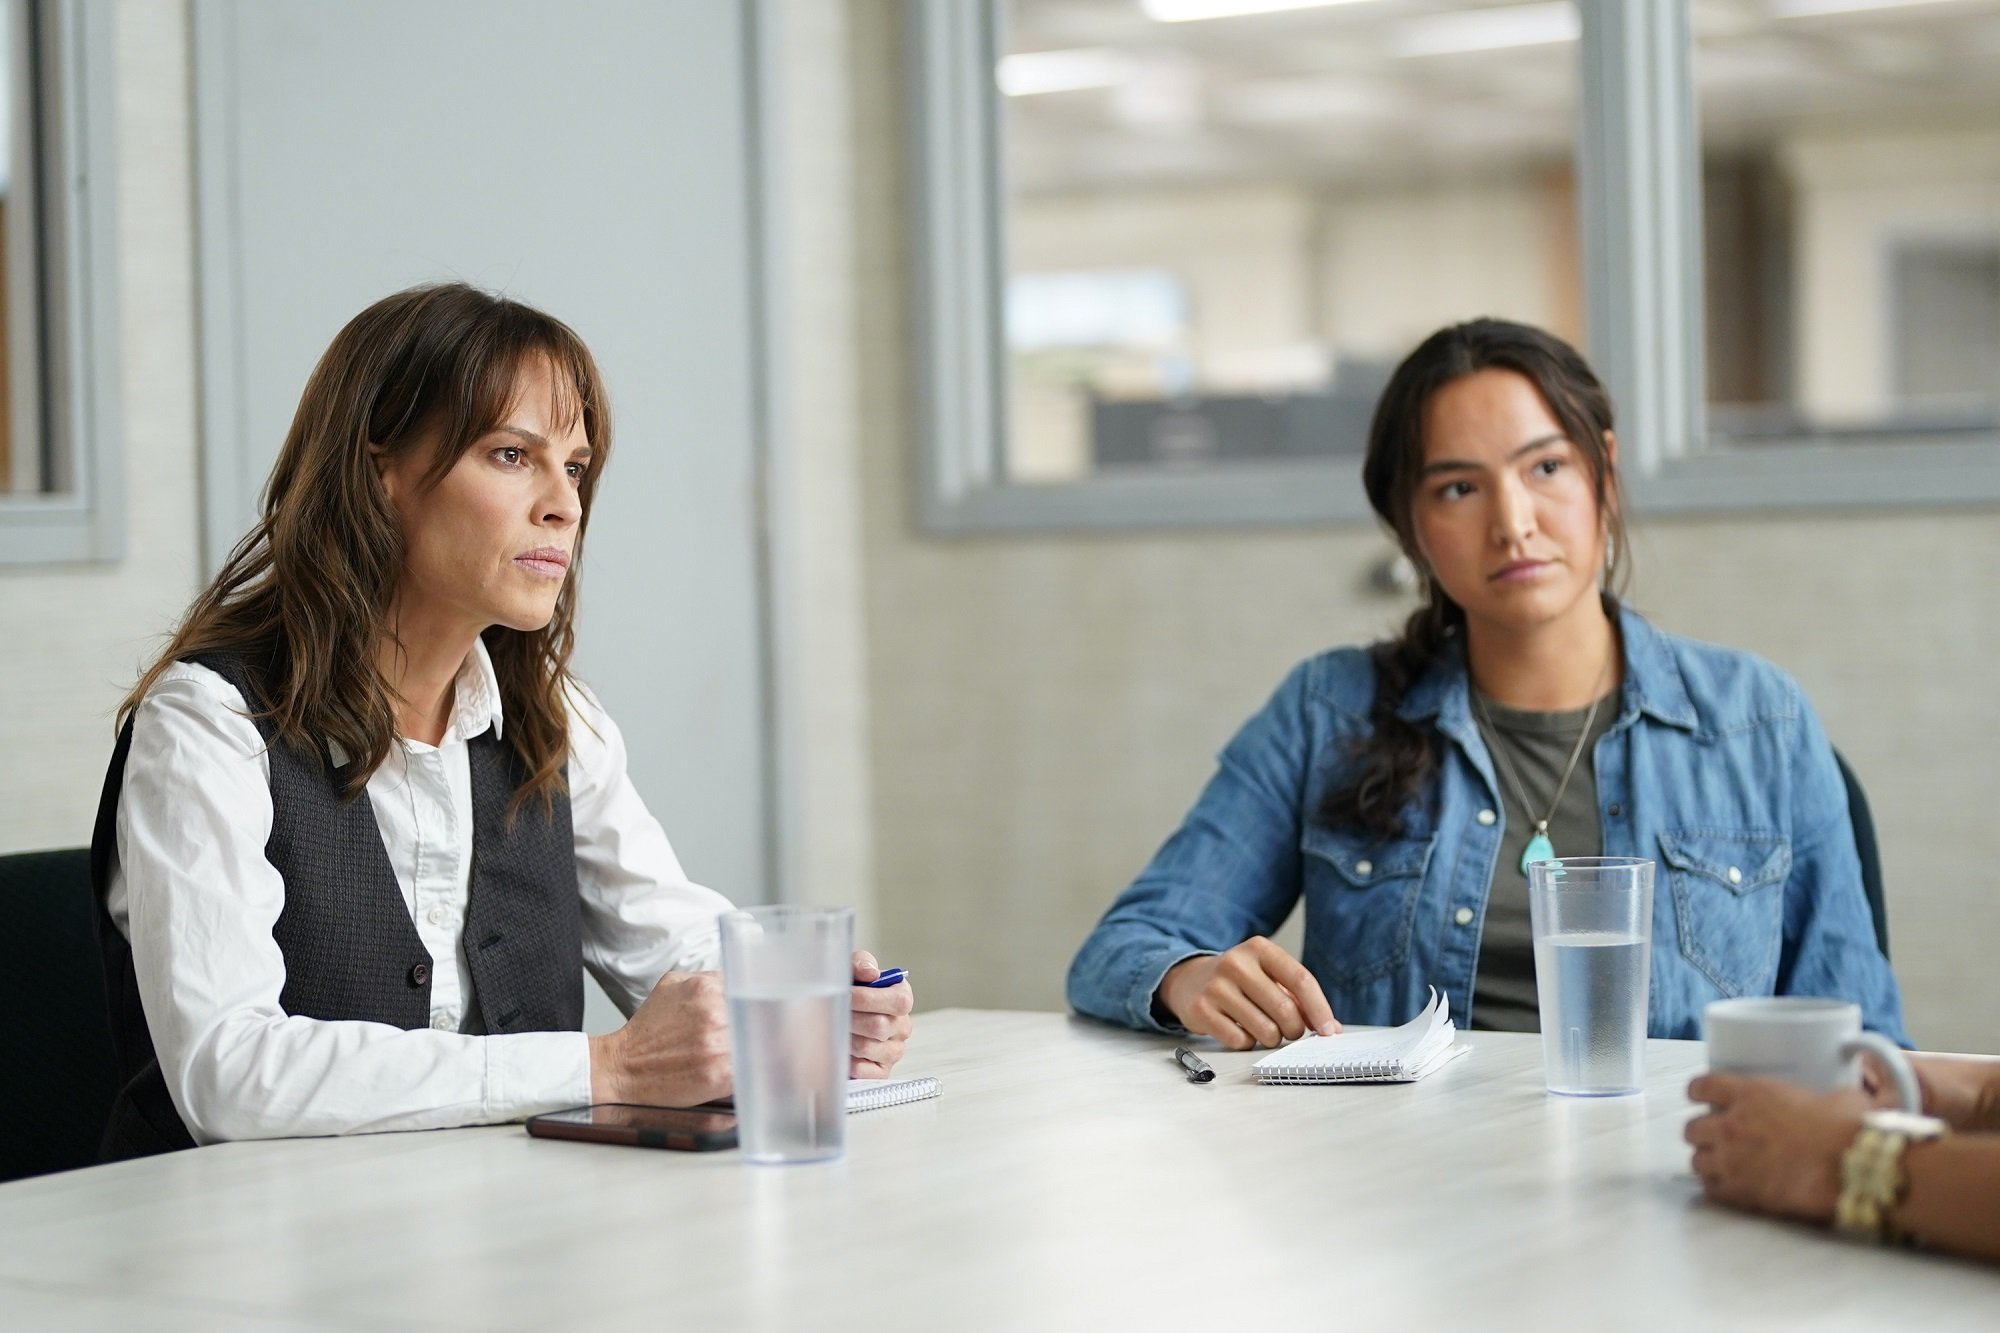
(1394, 759)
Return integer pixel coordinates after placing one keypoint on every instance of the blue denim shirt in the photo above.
(1716, 768)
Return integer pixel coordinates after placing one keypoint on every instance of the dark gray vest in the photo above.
(351, 950)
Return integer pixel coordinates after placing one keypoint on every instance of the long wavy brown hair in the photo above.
(305, 597)
(1394, 759)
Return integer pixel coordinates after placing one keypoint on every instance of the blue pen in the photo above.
(890, 977)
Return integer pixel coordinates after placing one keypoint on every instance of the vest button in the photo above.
(420, 974)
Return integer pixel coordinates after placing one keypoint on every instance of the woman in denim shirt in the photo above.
(1367, 786)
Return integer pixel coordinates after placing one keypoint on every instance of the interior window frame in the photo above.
(1639, 220)
(63, 328)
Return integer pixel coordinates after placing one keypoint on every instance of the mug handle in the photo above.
(1892, 1058)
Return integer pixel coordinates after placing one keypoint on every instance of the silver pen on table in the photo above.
(1197, 1068)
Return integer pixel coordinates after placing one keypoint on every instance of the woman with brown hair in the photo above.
(363, 829)
(1524, 713)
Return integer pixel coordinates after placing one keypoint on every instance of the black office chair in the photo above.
(1870, 850)
(60, 1069)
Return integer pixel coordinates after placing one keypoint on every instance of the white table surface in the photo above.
(1068, 1177)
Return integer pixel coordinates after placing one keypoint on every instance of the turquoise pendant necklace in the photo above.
(1539, 847)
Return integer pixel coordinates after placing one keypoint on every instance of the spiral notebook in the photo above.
(870, 1094)
(1396, 1055)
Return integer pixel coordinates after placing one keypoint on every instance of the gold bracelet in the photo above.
(1873, 1178)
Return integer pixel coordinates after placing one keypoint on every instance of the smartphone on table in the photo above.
(639, 1126)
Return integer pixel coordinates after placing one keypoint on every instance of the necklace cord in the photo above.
(1576, 752)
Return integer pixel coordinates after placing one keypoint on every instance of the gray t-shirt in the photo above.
(1538, 745)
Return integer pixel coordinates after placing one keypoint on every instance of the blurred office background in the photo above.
(970, 683)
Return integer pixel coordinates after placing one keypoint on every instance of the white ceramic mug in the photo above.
(1812, 1042)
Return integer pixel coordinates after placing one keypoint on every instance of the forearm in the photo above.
(1120, 966)
(1199, 896)
(1984, 1116)
(255, 1077)
(1965, 1091)
(1954, 1195)
(1979, 1109)
(607, 1083)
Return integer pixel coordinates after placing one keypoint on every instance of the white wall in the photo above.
(1238, 253)
(825, 794)
(1398, 263)
(1284, 280)
(1368, 271)
(75, 635)
(1854, 196)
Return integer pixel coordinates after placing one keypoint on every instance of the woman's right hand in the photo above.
(674, 1051)
(1256, 994)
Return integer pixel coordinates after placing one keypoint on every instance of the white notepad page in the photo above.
(1397, 1055)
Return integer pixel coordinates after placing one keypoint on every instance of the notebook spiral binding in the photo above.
(1400, 1056)
(894, 1092)
(1325, 1073)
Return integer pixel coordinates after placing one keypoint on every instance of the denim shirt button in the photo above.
(1616, 810)
(1487, 817)
(1735, 875)
(1463, 916)
(1364, 867)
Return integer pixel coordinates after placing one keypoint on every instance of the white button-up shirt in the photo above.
(191, 889)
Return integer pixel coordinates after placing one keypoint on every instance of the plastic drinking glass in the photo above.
(1592, 919)
(786, 972)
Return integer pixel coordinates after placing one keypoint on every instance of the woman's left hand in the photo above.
(1771, 1146)
(882, 1022)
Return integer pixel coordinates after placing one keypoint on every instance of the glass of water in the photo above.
(1592, 918)
(787, 972)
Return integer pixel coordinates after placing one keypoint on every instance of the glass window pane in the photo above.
(20, 459)
(1223, 231)
(28, 466)
(1851, 211)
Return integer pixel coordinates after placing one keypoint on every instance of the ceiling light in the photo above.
(1798, 9)
(1190, 11)
(1277, 101)
(1487, 30)
(1033, 72)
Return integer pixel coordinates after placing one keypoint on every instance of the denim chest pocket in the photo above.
(1361, 900)
(1728, 894)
